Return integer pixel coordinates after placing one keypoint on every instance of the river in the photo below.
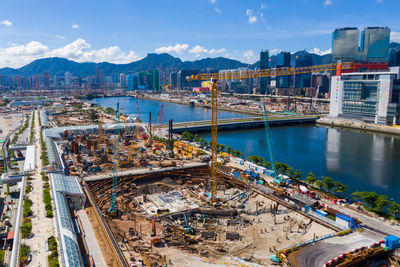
(360, 160)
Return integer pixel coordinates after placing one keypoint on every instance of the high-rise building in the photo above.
(321, 81)
(122, 80)
(150, 80)
(394, 58)
(174, 80)
(67, 79)
(264, 64)
(372, 97)
(345, 43)
(303, 80)
(372, 47)
(375, 44)
(282, 61)
(183, 83)
(132, 82)
(46, 77)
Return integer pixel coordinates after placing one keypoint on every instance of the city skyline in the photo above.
(125, 31)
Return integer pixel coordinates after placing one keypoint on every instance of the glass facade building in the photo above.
(264, 64)
(303, 80)
(345, 43)
(372, 46)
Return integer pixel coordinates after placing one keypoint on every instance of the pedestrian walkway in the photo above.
(42, 227)
(91, 241)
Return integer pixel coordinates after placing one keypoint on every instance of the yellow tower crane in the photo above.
(241, 75)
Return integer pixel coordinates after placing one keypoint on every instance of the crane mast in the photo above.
(113, 210)
(270, 145)
(214, 137)
(241, 75)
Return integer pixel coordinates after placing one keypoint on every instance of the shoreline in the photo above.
(252, 113)
(360, 126)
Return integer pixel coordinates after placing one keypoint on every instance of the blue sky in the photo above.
(122, 31)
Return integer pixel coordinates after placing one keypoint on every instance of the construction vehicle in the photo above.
(241, 75)
(155, 239)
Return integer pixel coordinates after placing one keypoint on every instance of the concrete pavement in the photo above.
(42, 227)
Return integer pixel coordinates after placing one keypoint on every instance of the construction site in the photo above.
(154, 200)
(168, 217)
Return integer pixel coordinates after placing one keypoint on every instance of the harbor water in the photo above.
(363, 161)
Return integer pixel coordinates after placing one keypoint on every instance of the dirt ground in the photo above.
(260, 234)
(9, 122)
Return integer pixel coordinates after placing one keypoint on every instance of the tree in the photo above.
(221, 147)
(110, 110)
(381, 202)
(318, 184)
(296, 175)
(187, 136)
(310, 179)
(328, 183)
(282, 167)
(394, 209)
(369, 198)
(256, 159)
(229, 150)
(339, 187)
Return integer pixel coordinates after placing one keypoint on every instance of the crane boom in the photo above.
(241, 75)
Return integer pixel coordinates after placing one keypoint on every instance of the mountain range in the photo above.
(165, 62)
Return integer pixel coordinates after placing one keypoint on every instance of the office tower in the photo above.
(373, 47)
(122, 80)
(282, 61)
(345, 43)
(67, 79)
(394, 57)
(174, 80)
(183, 83)
(46, 77)
(375, 44)
(132, 82)
(264, 64)
(303, 80)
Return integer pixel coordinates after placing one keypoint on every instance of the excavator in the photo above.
(155, 239)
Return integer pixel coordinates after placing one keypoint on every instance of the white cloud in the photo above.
(395, 37)
(79, 50)
(61, 37)
(213, 1)
(178, 48)
(252, 18)
(216, 51)
(217, 10)
(328, 2)
(75, 26)
(321, 52)
(198, 49)
(379, 1)
(6, 22)
(263, 6)
(249, 56)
